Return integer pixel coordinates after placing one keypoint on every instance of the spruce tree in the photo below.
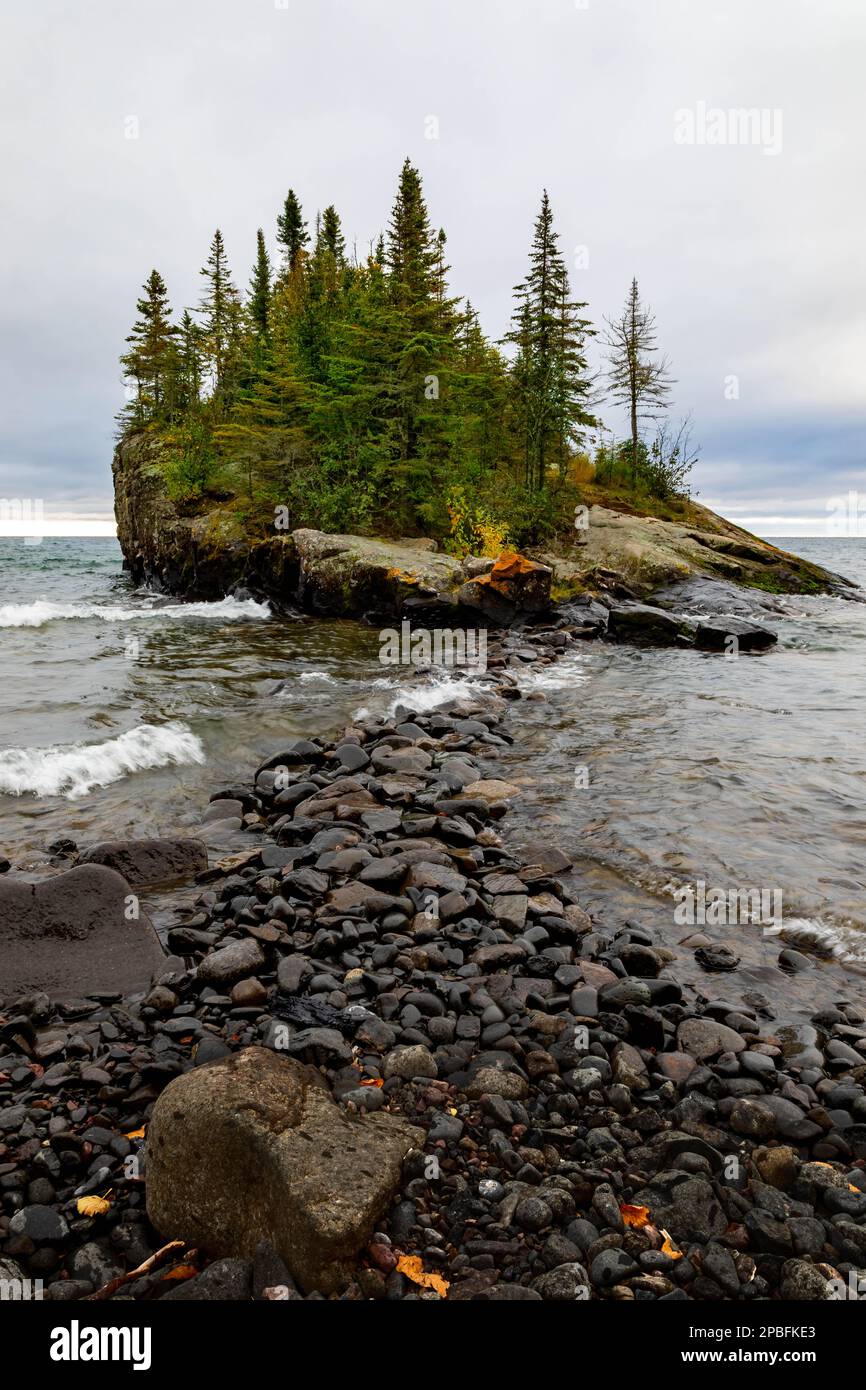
(292, 232)
(148, 360)
(330, 235)
(638, 378)
(551, 379)
(423, 344)
(220, 311)
(411, 248)
(189, 362)
(259, 302)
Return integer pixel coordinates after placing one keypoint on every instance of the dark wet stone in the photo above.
(39, 1224)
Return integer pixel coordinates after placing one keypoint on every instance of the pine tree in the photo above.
(220, 312)
(552, 385)
(292, 232)
(148, 361)
(423, 346)
(330, 235)
(637, 377)
(189, 363)
(259, 302)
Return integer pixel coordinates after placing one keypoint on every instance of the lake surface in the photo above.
(121, 712)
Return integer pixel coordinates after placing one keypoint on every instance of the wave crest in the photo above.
(75, 770)
(43, 611)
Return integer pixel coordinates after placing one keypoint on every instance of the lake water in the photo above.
(122, 712)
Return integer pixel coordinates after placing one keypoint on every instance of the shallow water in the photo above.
(122, 712)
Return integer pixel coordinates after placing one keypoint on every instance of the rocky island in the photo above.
(380, 1050)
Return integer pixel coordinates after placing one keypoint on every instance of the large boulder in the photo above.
(253, 1147)
(514, 585)
(80, 933)
(146, 862)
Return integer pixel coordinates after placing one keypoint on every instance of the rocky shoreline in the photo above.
(388, 1058)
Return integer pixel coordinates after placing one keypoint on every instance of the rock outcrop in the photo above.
(513, 585)
(254, 1146)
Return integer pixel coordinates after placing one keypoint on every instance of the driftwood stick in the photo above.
(144, 1268)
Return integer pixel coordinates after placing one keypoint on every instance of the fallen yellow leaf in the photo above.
(669, 1249)
(634, 1216)
(135, 1133)
(92, 1206)
(412, 1267)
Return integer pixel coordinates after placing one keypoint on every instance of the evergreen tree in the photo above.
(259, 302)
(189, 363)
(220, 313)
(551, 380)
(411, 249)
(638, 378)
(292, 232)
(423, 343)
(330, 235)
(148, 360)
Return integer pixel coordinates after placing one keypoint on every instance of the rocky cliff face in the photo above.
(212, 553)
(204, 556)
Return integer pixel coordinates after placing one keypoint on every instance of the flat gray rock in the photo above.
(78, 934)
(704, 1038)
(146, 862)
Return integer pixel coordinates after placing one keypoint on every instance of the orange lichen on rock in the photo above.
(510, 564)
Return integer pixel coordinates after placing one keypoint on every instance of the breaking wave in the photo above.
(75, 770)
(43, 611)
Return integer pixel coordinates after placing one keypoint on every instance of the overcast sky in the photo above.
(750, 253)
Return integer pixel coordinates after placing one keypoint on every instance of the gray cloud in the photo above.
(751, 261)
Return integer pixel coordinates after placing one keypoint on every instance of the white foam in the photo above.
(307, 677)
(565, 674)
(76, 769)
(439, 687)
(842, 943)
(43, 611)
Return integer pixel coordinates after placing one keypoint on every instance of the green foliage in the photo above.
(658, 470)
(191, 462)
(361, 395)
(551, 381)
